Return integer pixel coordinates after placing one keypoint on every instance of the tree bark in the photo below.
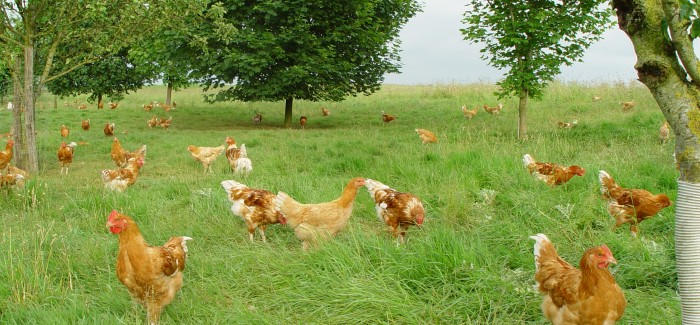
(522, 114)
(32, 165)
(169, 93)
(288, 112)
(18, 154)
(658, 67)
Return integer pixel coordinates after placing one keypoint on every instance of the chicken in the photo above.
(109, 129)
(302, 121)
(396, 209)
(147, 107)
(257, 118)
(17, 172)
(121, 156)
(551, 173)
(174, 104)
(100, 105)
(82, 106)
(152, 122)
(231, 148)
(241, 164)
(165, 123)
(588, 295)
(387, 118)
(118, 153)
(630, 205)
(595, 98)
(469, 113)
(121, 178)
(255, 207)
(11, 180)
(325, 111)
(626, 106)
(64, 131)
(6, 155)
(65, 155)
(205, 155)
(152, 274)
(567, 125)
(85, 125)
(238, 157)
(493, 110)
(321, 220)
(426, 136)
(166, 107)
(664, 132)
(113, 105)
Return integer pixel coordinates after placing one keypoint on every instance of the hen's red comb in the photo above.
(113, 215)
(606, 249)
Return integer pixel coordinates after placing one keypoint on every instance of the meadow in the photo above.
(470, 263)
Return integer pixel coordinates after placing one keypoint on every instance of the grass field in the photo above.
(471, 262)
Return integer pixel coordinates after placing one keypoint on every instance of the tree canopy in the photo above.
(309, 50)
(531, 39)
(34, 31)
(112, 76)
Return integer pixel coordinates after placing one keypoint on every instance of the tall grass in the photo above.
(470, 263)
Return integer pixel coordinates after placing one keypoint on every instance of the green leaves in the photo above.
(319, 50)
(532, 39)
(690, 11)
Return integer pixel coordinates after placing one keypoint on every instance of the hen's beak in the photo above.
(612, 260)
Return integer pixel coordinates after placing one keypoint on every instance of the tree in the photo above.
(309, 50)
(38, 28)
(662, 32)
(532, 39)
(112, 76)
(5, 81)
(173, 52)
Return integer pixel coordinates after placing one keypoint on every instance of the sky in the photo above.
(433, 51)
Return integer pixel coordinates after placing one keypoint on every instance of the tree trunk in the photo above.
(32, 165)
(55, 101)
(169, 93)
(99, 100)
(658, 67)
(288, 113)
(19, 154)
(522, 114)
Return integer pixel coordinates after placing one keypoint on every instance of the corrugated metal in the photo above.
(688, 250)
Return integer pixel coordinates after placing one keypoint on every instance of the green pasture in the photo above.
(470, 263)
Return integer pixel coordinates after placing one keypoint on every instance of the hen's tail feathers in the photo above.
(141, 151)
(243, 165)
(282, 199)
(606, 181)
(229, 184)
(528, 160)
(540, 240)
(243, 152)
(373, 186)
(184, 243)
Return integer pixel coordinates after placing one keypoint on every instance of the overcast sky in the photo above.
(433, 51)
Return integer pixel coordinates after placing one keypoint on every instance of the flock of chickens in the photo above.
(588, 295)
(154, 274)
